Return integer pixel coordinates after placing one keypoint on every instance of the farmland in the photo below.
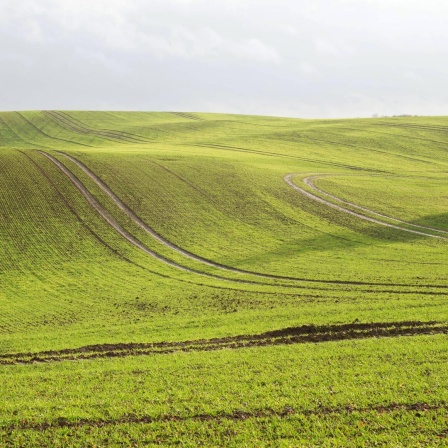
(177, 278)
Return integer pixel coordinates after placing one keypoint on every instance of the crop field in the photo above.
(222, 280)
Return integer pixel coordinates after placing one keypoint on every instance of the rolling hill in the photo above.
(222, 279)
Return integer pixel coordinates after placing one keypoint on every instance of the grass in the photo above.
(213, 185)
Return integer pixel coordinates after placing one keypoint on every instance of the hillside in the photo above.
(184, 278)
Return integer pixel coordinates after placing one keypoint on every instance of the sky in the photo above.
(308, 59)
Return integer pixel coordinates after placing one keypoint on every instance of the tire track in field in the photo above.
(273, 154)
(288, 180)
(309, 181)
(422, 289)
(366, 148)
(72, 125)
(131, 214)
(66, 125)
(382, 132)
(137, 243)
(50, 136)
(127, 260)
(92, 232)
(236, 415)
(287, 336)
(114, 224)
(187, 116)
(19, 138)
(436, 128)
(85, 127)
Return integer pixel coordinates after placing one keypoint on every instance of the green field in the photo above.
(224, 280)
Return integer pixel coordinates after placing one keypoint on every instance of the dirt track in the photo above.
(92, 201)
(288, 180)
(130, 238)
(80, 128)
(107, 217)
(138, 220)
(309, 181)
(164, 241)
(286, 336)
(236, 415)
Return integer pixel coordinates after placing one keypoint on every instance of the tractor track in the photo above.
(287, 336)
(127, 260)
(236, 415)
(149, 230)
(187, 116)
(50, 136)
(442, 129)
(117, 253)
(70, 124)
(104, 243)
(67, 125)
(273, 154)
(137, 243)
(83, 128)
(86, 127)
(126, 235)
(288, 180)
(309, 181)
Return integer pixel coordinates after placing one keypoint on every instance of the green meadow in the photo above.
(222, 280)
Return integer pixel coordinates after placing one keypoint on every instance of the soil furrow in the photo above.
(286, 336)
(236, 415)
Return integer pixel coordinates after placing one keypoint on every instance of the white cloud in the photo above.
(327, 57)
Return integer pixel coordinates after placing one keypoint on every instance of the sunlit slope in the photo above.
(238, 244)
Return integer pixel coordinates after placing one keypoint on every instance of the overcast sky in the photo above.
(315, 58)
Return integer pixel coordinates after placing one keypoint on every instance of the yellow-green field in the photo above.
(186, 279)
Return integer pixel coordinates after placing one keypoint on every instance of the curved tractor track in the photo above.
(137, 243)
(134, 241)
(131, 214)
(78, 127)
(125, 234)
(308, 181)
